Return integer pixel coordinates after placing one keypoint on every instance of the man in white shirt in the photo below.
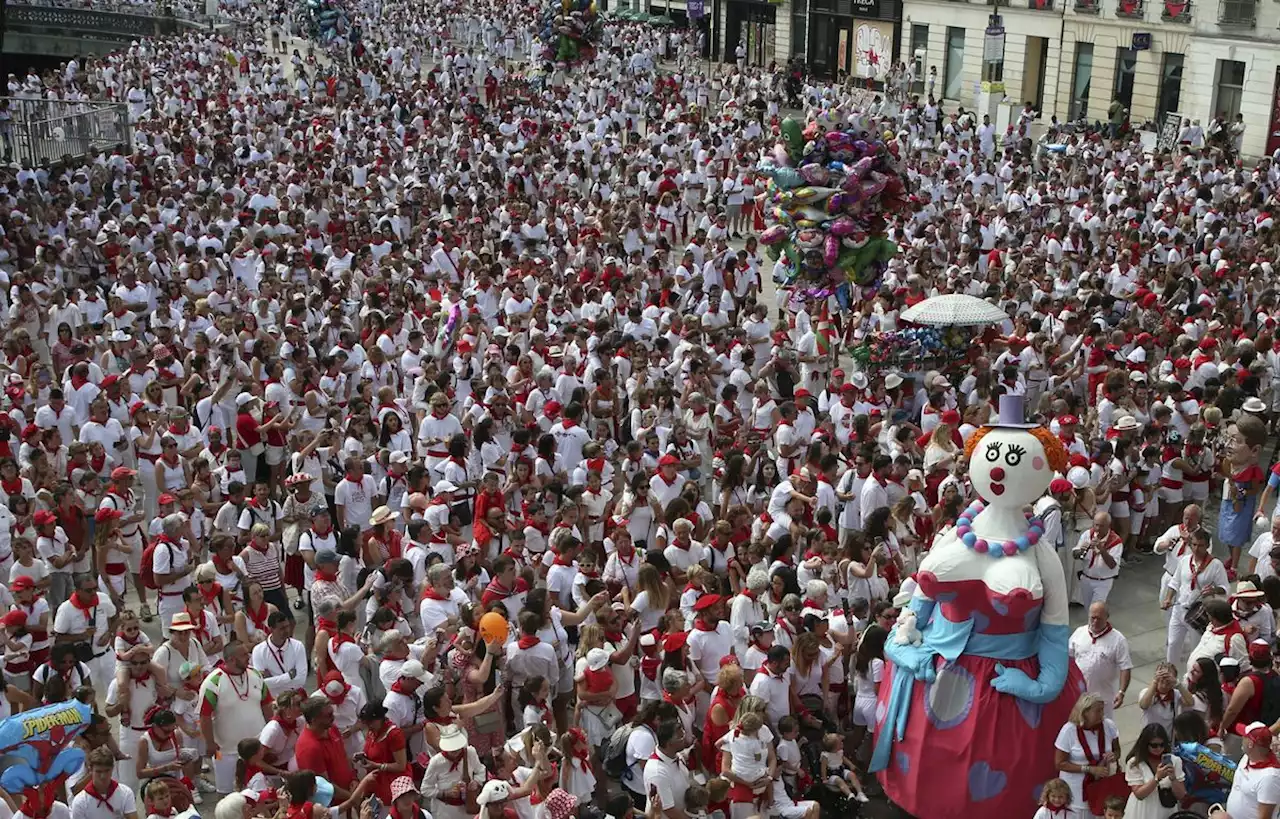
(281, 658)
(1255, 790)
(1100, 550)
(665, 773)
(88, 617)
(1198, 574)
(772, 683)
(103, 797)
(1102, 653)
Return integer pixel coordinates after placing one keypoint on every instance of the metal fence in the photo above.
(45, 131)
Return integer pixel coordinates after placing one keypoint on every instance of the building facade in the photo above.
(1073, 58)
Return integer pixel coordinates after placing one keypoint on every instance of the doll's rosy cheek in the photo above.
(1037, 463)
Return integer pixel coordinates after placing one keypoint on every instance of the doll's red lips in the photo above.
(997, 488)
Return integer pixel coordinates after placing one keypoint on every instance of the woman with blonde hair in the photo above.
(653, 597)
(1088, 746)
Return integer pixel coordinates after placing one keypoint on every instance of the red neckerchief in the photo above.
(338, 639)
(429, 593)
(97, 462)
(13, 487)
(160, 743)
(527, 641)
(398, 687)
(1096, 637)
(701, 625)
(1227, 632)
(561, 560)
(327, 574)
(202, 632)
(259, 617)
(325, 624)
(678, 703)
(77, 382)
(454, 757)
(649, 666)
(542, 706)
(1196, 572)
(213, 597)
(688, 542)
(89, 609)
(1084, 746)
(170, 461)
(666, 480)
(1269, 762)
(105, 799)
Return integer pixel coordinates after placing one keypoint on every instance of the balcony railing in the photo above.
(1132, 9)
(1088, 6)
(1238, 13)
(1176, 11)
(45, 131)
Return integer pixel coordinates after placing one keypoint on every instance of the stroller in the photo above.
(832, 803)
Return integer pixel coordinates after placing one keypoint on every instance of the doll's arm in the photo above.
(1054, 633)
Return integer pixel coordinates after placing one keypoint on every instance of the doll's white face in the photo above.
(1009, 468)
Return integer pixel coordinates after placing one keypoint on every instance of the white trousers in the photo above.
(1181, 638)
(1094, 591)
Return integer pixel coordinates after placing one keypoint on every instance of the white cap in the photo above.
(414, 670)
(244, 398)
(443, 486)
(399, 457)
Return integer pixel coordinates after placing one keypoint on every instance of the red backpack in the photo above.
(146, 572)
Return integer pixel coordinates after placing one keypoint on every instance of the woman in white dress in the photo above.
(1154, 775)
(868, 670)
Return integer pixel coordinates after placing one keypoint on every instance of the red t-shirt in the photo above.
(326, 755)
(247, 430)
(381, 750)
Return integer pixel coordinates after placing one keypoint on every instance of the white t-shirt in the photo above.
(749, 755)
(1252, 787)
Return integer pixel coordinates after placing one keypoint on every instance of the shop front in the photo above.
(857, 38)
(753, 27)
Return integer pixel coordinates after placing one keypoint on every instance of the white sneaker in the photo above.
(861, 797)
(196, 798)
(205, 786)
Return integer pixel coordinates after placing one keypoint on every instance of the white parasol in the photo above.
(954, 310)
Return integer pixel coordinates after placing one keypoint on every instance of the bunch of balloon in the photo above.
(569, 31)
(832, 188)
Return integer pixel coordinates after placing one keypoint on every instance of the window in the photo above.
(1081, 75)
(1170, 85)
(1126, 69)
(955, 63)
(1230, 88)
(1238, 13)
(799, 29)
(920, 55)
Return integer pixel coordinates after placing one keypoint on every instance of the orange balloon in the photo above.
(493, 628)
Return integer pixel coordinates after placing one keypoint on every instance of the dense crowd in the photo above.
(439, 409)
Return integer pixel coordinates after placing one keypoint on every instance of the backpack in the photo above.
(146, 572)
(613, 751)
(1270, 708)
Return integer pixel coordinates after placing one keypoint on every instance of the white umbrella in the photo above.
(954, 310)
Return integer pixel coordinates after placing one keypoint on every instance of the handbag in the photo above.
(1097, 790)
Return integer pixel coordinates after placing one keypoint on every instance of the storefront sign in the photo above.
(1273, 132)
(873, 49)
(866, 8)
(1141, 41)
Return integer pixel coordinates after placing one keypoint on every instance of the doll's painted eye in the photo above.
(993, 452)
(1014, 456)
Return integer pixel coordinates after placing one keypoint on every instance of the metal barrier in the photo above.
(46, 131)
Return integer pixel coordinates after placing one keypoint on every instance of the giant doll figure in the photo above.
(967, 715)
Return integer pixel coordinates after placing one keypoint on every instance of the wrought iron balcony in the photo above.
(1176, 11)
(1132, 9)
(1088, 6)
